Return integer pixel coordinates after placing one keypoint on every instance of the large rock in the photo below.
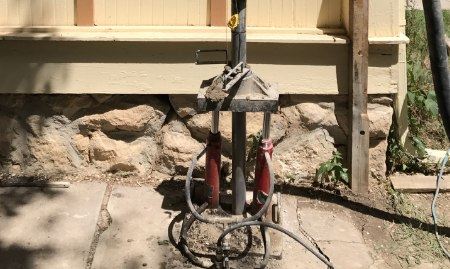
(302, 152)
(184, 104)
(13, 142)
(200, 125)
(177, 148)
(319, 115)
(377, 159)
(68, 107)
(140, 118)
(380, 117)
(333, 117)
(119, 156)
(49, 145)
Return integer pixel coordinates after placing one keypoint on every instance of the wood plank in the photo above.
(358, 70)
(36, 6)
(48, 12)
(13, 12)
(134, 12)
(205, 12)
(167, 68)
(100, 12)
(193, 12)
(61, 12)
(84, 13)
(146, 12)
(111, 12)
(288, 13)
(218, 12)
(170, 12)
(123, 15)
(35, 184)
(276, 19)
(182, 13)
(3, 12)
(24, 12)
(187, 36)
(418, 183)
(158, 12)
(70, 12)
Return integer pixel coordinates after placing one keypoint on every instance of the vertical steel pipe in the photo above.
(213, 162)
(266, 125)
(215, 122)
(438, 57)
(239, 137)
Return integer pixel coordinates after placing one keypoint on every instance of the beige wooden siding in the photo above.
(36, 12)
(295, 13)
(384, 18)
(152, 12)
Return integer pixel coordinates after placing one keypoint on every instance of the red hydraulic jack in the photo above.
(237, 90)
(262, 171)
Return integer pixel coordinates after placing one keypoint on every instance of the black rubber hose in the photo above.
(228, 219)
(183, 246)
(438, 57)
(278, 228)
(266, 240)
(274, 226)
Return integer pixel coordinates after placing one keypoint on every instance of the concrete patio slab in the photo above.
(48, 228)
(337, 237)
(138, 234)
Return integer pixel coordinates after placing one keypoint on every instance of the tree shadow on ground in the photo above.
(12, 199)
(21, 255)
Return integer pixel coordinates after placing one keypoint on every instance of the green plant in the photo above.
(424, 123)
(400, 160)
(332, 170)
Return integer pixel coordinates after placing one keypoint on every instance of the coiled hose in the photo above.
(242, 222)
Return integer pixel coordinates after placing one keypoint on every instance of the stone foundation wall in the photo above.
(158, 135)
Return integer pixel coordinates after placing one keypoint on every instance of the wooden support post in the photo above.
(218, 12)
(401, 103)
(359, 121)
(84, 13)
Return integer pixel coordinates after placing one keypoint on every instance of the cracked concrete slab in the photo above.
(48, 228)
(138, 234)
(336, 236)
(326, 226)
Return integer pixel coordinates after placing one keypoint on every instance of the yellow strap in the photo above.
(233, 22)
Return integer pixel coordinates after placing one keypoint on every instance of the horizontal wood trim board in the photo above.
(158, 67)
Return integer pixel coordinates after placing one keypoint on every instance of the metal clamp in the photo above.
(197, 57)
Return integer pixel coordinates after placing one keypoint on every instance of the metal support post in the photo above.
(213, 162)
(239, 137)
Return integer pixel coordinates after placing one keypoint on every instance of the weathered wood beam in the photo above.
(417, 183)
(218, 12)
(359, 121)
(84, 11)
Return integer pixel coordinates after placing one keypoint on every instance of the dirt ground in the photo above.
(397, 226)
